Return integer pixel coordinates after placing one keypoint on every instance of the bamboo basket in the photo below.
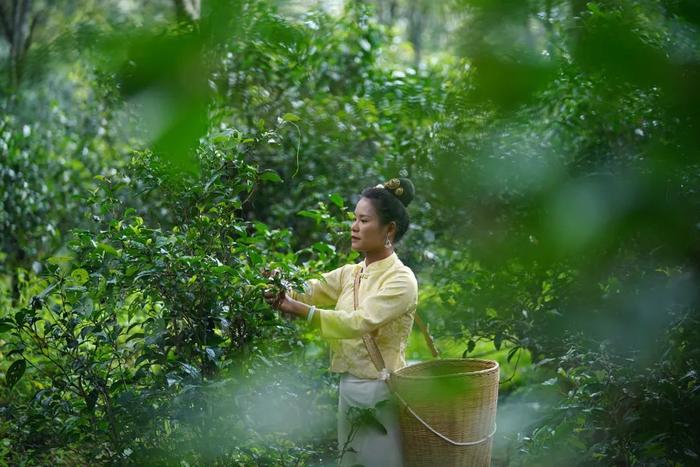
(447, 411)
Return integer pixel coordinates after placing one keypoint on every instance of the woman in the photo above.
(387, 300)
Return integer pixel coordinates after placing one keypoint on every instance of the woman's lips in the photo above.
(354, 238)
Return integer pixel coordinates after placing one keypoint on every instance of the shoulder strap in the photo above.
(423, 326)
(370, 343)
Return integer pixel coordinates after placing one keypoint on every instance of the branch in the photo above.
(5, 25)
(515, 368)
(28, 40)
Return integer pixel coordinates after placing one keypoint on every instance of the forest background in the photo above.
(156, 156)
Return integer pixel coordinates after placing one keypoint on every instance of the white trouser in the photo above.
(373, 447)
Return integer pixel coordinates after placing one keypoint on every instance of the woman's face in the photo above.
(367, 233)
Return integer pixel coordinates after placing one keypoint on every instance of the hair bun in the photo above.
(402, 188)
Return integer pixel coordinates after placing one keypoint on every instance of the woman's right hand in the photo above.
(273, 294)
(274, 297)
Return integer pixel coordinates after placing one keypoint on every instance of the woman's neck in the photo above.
(372, 256)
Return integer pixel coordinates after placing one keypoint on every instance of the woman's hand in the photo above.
(276, 296)
(274, 293)
(289, 305)
(285, 303)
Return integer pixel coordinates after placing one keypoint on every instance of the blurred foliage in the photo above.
(150, 152)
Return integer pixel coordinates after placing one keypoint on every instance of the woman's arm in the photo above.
(396, 297)
(321, 292)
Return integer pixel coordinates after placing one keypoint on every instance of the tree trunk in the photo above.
(17, 30)
(186, 11)
(16, 259)
(386, 11)
(417, 12)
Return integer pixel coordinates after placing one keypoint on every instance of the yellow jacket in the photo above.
(387, 301)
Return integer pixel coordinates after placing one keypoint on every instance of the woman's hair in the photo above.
(391, 206)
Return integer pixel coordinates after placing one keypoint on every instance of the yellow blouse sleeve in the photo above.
(398, 295)
(321, 292)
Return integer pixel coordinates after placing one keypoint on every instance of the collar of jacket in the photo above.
(377, 266)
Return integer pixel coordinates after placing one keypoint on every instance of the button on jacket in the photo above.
(387, 301)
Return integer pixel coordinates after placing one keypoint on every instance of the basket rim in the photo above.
(495, 367)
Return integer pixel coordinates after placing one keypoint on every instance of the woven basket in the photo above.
(448, 411)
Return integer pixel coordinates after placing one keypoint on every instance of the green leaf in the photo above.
(46, 291)
(145, 273)
(289, 117)
(470, 346)
(271, 176)
(6, 325)
(107, 249)
(15, 351)
(315, 215)
(337, 200)
(222, 269)
(324, 248)
(190, 370)
(374, 422)
(368, 418)
(15, 372)
(86, 307)
(254, 257)
(80, 276)
(136, 335)
(265, 360)
(20, 316)
(511, 352)
(59, 260)
(498, 338)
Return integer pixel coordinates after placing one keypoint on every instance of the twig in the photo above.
(514, 369)
(298, 146)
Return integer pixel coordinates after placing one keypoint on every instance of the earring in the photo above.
(387, 242)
